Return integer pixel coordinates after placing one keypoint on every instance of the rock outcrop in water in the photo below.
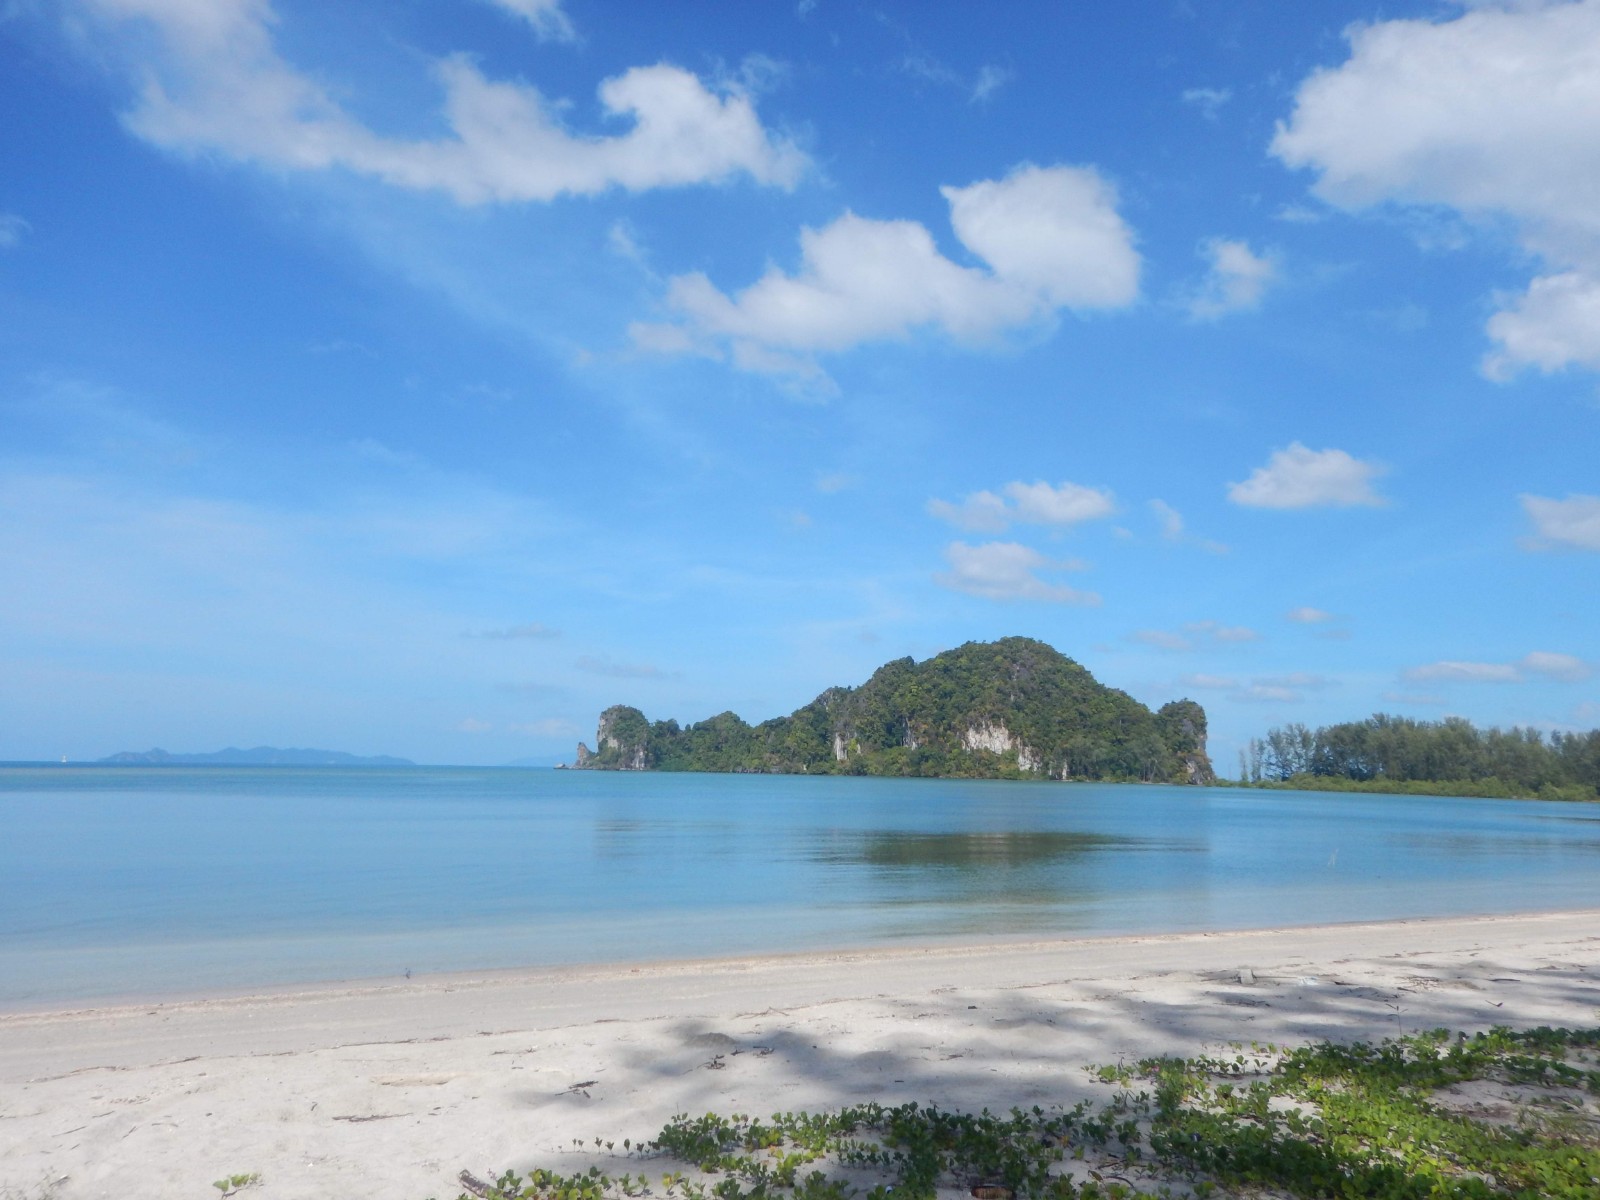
(1015, 708)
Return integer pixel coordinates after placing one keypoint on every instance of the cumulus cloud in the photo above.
(1051, 239)
(219, 85)
(1297, 477)
(1494, 113)
(1007, 571)
(1235, 283)
(1029, 503)
(549, 23)
(1573, 523)
(12, 229)
(1544, 663)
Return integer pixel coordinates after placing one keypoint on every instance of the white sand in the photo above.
(388, 1090)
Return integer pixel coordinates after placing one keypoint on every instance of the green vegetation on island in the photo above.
(1500, 1115)
(1012, 709)
(1451, 757)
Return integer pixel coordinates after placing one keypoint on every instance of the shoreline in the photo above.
(488, 976)
(364, 985)
(389, 1088)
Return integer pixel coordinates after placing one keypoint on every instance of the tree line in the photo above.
(1383, 750)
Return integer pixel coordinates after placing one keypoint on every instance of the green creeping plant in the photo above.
(1341, 1122)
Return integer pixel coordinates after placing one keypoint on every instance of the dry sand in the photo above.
(389, 1089)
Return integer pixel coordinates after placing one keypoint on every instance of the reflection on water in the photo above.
(149, 879)
(988, 851)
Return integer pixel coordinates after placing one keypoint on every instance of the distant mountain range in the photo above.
(260, 756)
(1015, 708)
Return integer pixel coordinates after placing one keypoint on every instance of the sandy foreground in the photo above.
(390, 1089)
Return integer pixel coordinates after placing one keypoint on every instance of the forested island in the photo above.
(1012, 709)
(1451, 757)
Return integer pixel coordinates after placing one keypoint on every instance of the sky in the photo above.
(421, 377)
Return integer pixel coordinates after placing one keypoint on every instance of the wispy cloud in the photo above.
(1195, 634)
(533, 630)
(619, 670)
(545, 18)
(220, 84)
(1008, 571)
(12, 230)
(1208, 100)
(1546, 664)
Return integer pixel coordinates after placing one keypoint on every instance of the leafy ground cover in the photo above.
(1498, 1114)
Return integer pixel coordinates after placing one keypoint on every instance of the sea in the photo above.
(148, 882)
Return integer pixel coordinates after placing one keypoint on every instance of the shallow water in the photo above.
(137, 881)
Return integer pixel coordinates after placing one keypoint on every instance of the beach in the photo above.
(391, 1088)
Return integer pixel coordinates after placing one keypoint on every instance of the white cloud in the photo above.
(12, 229)
(545, 16)
(1195, 633)
(1494, 113)
(1031, 503)
(1173, 528)
(1573, 523)
(600, 665)
(1300, 478)
(990, 80)
(1161, 639)
(1266, 693)
(1463, 672)
(1208, 682)
(531, 630)
(1284, 689)
(1006, 571)
(981, 512)
(1051, 238)
(1208, 100)
(1065, 504)
(1564, 667)
(1171, 519)
(1235, 283)
(1217, 631)
(1306, 615)
(221, 86)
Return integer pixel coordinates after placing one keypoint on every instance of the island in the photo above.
(1012, 709)
(259, 756)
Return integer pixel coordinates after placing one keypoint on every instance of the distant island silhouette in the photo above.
(260, 756)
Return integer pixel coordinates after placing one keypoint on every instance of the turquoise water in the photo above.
(138, 881)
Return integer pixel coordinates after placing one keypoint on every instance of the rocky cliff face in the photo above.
(1014, 708)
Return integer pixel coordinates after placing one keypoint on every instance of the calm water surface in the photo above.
(121, 881)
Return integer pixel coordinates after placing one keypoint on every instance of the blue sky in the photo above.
(421, 377)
